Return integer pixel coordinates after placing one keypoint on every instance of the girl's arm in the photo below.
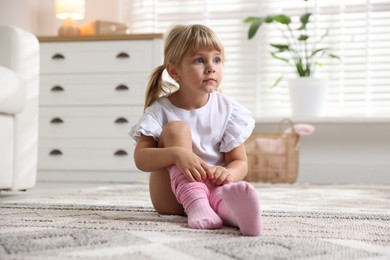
(149, 157)
(236, 167)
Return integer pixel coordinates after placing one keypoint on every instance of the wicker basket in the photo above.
(273, 157)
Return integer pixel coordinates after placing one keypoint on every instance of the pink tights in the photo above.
(209, 207)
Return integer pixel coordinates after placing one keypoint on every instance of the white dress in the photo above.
(219, 126)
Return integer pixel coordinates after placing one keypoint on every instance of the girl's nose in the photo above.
(210, 68)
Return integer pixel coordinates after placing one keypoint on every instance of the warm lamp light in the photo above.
(69, 11)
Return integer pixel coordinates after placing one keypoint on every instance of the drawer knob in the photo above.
(58, 56)
(57, 88)
(122, 87)
(120, 153)
(55, 152)
(121, 120)
(122, 55)
(56, 120)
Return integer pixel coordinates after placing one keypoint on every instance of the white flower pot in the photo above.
(307, 96)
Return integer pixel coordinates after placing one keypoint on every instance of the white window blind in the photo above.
(359, 32)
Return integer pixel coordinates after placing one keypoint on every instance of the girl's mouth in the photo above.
(210, 80)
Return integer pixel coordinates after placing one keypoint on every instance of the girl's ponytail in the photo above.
(158, 87)
(153, 90)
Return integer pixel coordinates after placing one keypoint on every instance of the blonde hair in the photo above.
(178, 42)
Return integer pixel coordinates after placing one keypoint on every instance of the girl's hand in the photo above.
(192, 166)
(221, 175)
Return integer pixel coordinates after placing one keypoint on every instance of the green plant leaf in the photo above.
(319, 51)
(255, 25)
(333, 56)
(324, 35)
(269, 18)
(273, 54)
(303, 37)
(283, 19)
(251, 19)
(323, 51)
(299, 66)
(277, 81)
(304, 20)
(281, 47)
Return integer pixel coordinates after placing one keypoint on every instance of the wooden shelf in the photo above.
(111, 37)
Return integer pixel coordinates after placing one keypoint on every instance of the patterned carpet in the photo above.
(118, 222)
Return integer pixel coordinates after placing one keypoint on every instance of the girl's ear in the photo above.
(172, 71)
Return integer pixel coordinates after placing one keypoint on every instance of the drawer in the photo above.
(88, 122)
(91, 154)
(93, 89)
(88, 57)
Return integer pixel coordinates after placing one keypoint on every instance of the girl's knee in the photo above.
(175, 133)
(175, 128)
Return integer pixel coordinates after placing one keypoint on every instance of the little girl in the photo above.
(191, 137)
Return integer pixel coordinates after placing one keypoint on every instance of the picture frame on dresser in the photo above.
(92, 91)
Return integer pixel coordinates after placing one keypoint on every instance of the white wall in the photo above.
(19, 13)
(38, 16)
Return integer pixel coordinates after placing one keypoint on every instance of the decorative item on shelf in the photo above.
(307, 96)
(69, 11)
(303, 52)
(274, 157)
(103, 28)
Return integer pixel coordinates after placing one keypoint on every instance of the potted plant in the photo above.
(303, 52)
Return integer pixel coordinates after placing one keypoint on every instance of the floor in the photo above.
(48, 188)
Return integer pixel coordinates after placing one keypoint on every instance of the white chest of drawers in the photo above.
(91, 93)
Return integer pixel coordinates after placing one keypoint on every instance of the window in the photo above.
(359, 32)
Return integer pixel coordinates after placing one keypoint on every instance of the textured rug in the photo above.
(118, 222)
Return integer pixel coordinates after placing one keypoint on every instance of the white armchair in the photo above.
(19, 90)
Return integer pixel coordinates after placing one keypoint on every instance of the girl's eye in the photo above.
(198, 61)
(217, 60)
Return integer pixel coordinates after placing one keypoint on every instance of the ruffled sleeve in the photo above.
(148, 126)
(239, 127)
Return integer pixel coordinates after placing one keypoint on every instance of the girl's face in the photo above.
(200, 71)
